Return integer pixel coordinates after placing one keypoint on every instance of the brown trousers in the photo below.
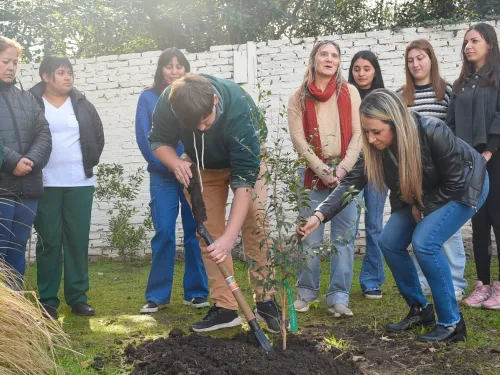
(216, 184)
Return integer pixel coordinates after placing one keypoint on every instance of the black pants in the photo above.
(487, 216)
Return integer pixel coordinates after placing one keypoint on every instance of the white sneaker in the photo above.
(152, 307)
(340, 310)
(459, 294)
(303, 306)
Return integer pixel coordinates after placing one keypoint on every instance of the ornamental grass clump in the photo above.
(28, 341)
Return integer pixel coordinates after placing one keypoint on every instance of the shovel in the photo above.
(200, 216)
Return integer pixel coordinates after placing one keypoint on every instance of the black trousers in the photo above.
(488, 216)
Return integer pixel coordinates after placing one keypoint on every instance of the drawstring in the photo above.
(203, 151)
(202, 156)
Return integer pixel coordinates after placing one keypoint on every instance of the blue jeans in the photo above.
(166, 192)
(455, 254)
(427, 238)
(16, 219)
(342, 235)
(372, 274)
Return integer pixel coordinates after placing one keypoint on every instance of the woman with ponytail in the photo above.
(436, 183)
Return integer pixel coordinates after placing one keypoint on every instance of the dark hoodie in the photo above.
(89, 122)
(233, 141)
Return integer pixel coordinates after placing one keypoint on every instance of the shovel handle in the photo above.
(231, 282)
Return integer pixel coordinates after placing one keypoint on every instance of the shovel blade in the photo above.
(261, 337)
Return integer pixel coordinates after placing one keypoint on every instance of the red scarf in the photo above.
(311, 128)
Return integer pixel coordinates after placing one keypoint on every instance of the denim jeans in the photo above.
(17, 217)
(166, 193)
(342, 235)
(372, 274)
(455, 254)
(427, 238)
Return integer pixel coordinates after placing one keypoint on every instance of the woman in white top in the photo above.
(64, 212)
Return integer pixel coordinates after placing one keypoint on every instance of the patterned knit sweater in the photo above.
(426, 102)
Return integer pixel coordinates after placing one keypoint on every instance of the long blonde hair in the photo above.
(310, 73)
(386, 106)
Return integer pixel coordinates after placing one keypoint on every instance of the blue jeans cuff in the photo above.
(371, 289)
(337, 297)
(307, 294)
(449, 324)
(158, 302)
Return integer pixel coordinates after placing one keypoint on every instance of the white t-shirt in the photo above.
(65, 166)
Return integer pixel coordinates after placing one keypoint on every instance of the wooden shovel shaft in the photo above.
(238, 295)
(235, 289)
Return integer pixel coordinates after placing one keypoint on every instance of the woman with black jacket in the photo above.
(437, 182)
(28, 143)
(474, 116)
(64, 212)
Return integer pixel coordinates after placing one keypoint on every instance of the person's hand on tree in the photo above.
(310, 226)
(221, 248)
(24, 167)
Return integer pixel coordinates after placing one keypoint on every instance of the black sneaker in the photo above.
(217, 318)
(152, 307)
(416, 317)
(197, 302)
(373, 294)
(270, 312)
(446, 334)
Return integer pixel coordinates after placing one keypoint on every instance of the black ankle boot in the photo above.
(446, 334)
(416, 317)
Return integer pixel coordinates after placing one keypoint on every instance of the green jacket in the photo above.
(233, 140)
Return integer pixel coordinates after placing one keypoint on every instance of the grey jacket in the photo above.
(25, 133)
(474, 112)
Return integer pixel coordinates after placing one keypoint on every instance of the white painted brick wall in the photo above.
(113, 84)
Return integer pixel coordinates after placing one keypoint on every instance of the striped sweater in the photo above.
(426, 102)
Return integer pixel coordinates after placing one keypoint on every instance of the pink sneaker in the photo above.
(493, 303)
(480, 294)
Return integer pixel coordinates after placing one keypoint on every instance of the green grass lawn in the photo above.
(117, 293)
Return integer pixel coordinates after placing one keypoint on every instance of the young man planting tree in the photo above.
(218, 124)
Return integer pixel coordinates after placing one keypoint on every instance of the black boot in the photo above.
(446, 334)
(416, 317)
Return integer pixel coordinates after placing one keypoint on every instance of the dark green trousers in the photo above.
(63, 225)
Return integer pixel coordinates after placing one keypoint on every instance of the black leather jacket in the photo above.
(452, 170)
(25, 133)
(89, 123)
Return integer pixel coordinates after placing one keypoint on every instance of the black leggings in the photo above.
(487, 216)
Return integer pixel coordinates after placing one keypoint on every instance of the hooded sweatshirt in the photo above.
(232, 141)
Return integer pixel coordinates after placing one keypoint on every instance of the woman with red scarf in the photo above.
(323, 117)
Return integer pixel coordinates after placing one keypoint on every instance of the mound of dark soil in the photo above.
(196, 354)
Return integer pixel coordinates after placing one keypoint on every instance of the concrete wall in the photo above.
(113, 84)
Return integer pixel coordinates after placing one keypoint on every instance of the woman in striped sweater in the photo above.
(427, 93)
